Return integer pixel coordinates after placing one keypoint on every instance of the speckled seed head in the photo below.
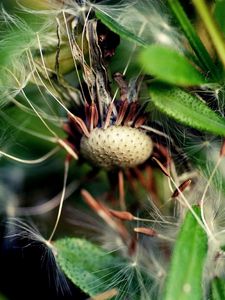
(116, 146)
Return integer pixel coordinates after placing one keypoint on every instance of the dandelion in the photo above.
(104, 123)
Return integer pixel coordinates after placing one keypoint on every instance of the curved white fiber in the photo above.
(32, 161)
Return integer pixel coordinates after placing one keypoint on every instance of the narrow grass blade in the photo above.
(205, 60)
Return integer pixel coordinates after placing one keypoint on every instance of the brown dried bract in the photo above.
(181, 188)
(147, 231)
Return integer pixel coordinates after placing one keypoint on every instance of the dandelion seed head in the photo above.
(145, 255)
(119, 146)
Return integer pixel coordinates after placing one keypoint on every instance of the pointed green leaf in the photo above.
(86, 265)
(204, 58)
(186, 108)
(169, 66)
(184, 280)
(219, 13)
(217, 289)
(95, 271)
(119, 29)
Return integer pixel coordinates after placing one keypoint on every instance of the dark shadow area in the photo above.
(27, 272)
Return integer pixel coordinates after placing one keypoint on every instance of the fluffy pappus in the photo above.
(144, 263)
(134, 17)
(27, 240)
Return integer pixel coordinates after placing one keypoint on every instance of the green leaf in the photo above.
(86, 265)
(119, 29)
(205, 60)
(184, 280)
(217, 289)
(219, 13)
(186, 108)
(95, 271)
(169, 66)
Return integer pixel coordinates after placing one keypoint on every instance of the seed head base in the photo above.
(116, 146)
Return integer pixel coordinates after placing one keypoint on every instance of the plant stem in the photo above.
(212, 28)
(205, 60)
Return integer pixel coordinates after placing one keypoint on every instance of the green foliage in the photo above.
(202, 54)
(120, 30)
(184, 279)
(37, 118)
(217, 289)
(86, 265)
(95, 271)
(186, 108)
(170, 66)
(19, 34)
(220, 14)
